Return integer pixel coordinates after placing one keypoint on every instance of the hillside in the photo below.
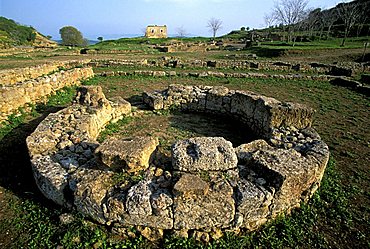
(13, 34)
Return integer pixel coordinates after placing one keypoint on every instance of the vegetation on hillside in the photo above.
(14, 34)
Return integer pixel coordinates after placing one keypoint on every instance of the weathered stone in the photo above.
(151, 234)
(203, 153)
(245, 151)
(51, 178)
(252, 204)
(288, 172)
(129, 154)
(91, 96)
(189, 185)
(138, 199)
(214, 209)
(66, 218)
(90, 190)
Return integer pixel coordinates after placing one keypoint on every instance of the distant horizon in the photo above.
(112, 18)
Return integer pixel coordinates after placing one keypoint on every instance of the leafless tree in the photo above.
(181, 32)
(214, 24)
(348, 13)
(362, 19)
(269, 20)
(328, 18)
(312, 22)
(290, 13)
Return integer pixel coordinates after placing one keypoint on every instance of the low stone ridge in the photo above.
(13, 76)
(291, 76)
(211, 186)
(298, 66)
(36, 90)
(260, 113)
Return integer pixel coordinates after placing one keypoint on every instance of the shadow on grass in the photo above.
(15, 166)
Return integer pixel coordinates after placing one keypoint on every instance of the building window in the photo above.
(152, 30)
(161, 30)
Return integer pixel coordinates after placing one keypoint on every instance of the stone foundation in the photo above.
(211, 187)
(318, 68)
(18, 95)
(13, 76)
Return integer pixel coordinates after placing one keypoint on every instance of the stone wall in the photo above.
(336, 70)
(76, 126)
(13, 76)
(260, 113)
(18, 95)
(150, 73)
(211, 187)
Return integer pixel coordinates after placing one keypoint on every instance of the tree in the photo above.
(348, 13)
(214, 25)
(100, 38)
(71, 36)
(290, 13)
(269, 20)
(181, 32)
(312, 21)
(328, 18)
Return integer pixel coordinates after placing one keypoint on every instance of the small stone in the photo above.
(66, 218)
(201, 236)
(79, 149)
(181, 233)
(151, 234)
(216, 233)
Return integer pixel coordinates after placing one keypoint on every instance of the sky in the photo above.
(118, 18)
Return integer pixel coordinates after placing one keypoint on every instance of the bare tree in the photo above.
(214, 25)
(313, 20)
(348, 13)
(290, 13)
(362, 19)
(269, 20)
(328, 18)
(181, 32)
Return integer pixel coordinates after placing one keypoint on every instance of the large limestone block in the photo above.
(129, 154)
(91, 96)
(203, 153)
(252, 202)
(287, 172)
(51, 178)
(200, 210)
(90, 190)
(145, 204)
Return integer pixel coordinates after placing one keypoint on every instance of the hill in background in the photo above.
(13, 34)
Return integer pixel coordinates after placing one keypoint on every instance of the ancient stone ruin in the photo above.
(211, 186)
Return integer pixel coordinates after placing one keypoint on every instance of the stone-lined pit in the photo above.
(211, 186)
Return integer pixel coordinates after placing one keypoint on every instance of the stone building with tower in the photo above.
(154, 31)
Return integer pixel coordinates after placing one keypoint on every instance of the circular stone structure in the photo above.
(210, 188)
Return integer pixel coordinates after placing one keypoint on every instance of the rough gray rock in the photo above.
(203, 153)
(216, 208)
(127, 154)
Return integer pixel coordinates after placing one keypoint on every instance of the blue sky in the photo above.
(114, 18)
